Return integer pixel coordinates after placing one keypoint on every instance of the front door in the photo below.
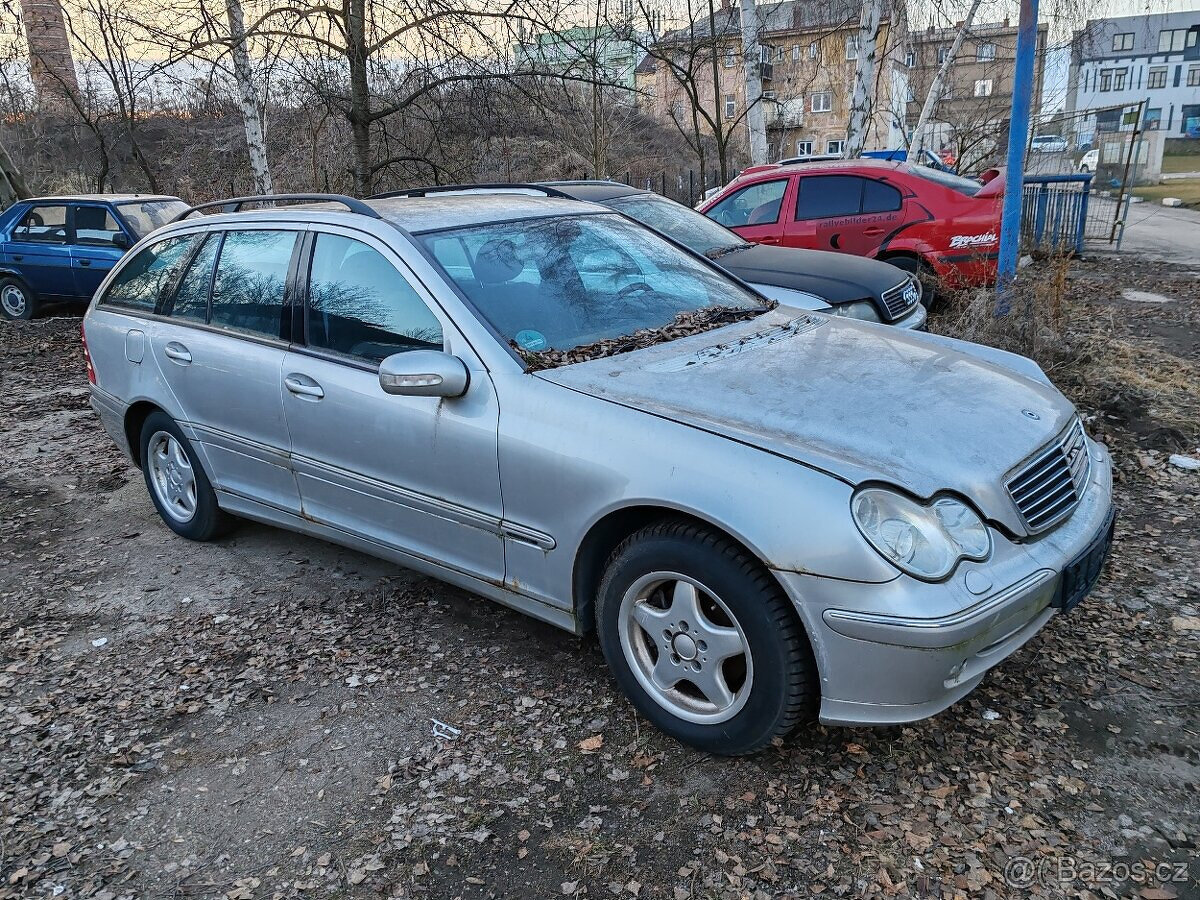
(220, 349)
(98, 243)
(418, 474)
(40, 250)
(756, 211)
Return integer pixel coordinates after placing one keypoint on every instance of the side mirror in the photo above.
(121, 240)
(423, 373)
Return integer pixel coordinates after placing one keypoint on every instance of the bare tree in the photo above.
(12, 183)
(862, 101)
(753, 62)
(247, 97)
(938, 86)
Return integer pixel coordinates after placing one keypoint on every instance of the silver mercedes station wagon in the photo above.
(763, 512)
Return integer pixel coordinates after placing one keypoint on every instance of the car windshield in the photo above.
(678, 222)
(967, 186)
(144, 216)
(560, 283)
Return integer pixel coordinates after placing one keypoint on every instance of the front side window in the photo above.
(822, 101)
(96, 227)
(248, 290)
(144, 281)
(191, 297)
(564, 282)
(822, 196)
(43, 225)
(359, 304)
(755, 204)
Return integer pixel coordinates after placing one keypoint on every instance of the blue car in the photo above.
(58, 249)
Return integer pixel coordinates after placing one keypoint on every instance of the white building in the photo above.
(1155, 58)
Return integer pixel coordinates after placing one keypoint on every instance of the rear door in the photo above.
(220, 346)
(844, 213)
(99, 241)
(756, 211)
(39, 249)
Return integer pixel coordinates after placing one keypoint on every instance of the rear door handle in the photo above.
(872, 231)
(85, 262)
(303, 386)
(18, 258)
(177, 352)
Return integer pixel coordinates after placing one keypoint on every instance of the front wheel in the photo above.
(702, 640)
(17, 301)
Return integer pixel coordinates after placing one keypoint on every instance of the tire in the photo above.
(178, 486)
(674, 571)
(17, 301)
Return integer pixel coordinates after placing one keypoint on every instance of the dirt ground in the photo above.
(256, 718)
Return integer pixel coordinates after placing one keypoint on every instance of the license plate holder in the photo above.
(1082, 573)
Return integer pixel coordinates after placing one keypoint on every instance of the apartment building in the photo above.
(972, 114)
(808, 56)
(1127, 60)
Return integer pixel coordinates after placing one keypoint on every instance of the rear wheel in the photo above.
(176, 481)
(702, 640)
(17, 301)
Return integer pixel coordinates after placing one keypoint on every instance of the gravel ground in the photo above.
(256, 718)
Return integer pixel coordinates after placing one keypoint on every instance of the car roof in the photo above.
(421, 214)
(594, 191)
(99, 198)
(833, 165)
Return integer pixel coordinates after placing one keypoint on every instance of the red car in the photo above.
(914, 217)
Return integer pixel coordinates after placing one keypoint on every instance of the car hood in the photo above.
(860, 401)
(834, 277)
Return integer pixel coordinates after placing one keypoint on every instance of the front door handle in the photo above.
(303, 386)
(768, 240)
(85, 262)
(178, 352)
(17, 257)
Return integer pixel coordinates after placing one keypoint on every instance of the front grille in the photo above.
(1047, 488)
(900, 299)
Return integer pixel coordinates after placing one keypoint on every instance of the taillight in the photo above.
(87, 357)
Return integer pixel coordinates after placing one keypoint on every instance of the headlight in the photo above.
(925, 541)
(858, 309)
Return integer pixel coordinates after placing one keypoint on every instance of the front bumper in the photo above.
(907, 649)
(914, 319)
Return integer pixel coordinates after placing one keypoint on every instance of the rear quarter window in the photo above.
(145, 282)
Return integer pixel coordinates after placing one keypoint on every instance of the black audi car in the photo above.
(837, 283)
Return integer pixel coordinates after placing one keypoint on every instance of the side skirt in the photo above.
(269, 515)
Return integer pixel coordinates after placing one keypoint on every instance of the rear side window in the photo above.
(144, 282)
(44, 225)
(879, 197)
(756, 204)
(96, 227)
(251, 280)
(822, 196)
(191, 298)
(360, 305)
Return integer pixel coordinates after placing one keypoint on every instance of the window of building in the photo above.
(943, 52)
(1193, 76)
(852, 47)
(1172, 40)
(248, 289)
(730, 59)
(1106, 79)
(764, 53)
(1123, 41)
(782, 53)
(730, 105)
(359, 305)
(804, 148)
(822, 101)
(985, 52)
(1157, 78)
(1153, 119)
(835, 147)
(1119, 76)
(983, 87)
(812, 50)
(796, 53)
(910, 59)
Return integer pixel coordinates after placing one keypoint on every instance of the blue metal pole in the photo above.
(1018, 135)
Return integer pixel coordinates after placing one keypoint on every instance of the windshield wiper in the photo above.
(718, 252)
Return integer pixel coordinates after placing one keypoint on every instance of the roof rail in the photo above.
(351, 203)
(496, 187)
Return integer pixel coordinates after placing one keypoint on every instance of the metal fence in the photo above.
(1054, 216)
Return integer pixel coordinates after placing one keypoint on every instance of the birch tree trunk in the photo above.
(755, 120)
(862, 101)
(251, 120)
(917, 144)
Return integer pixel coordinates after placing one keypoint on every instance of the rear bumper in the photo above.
(906, 649)
(112, 416)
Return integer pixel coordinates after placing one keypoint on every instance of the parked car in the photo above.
(760, 511)
(56, 249)
(806, 279)
(1048, 143)
(940, 226)
(1090, 161)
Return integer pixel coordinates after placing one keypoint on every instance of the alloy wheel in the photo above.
(172, 476)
